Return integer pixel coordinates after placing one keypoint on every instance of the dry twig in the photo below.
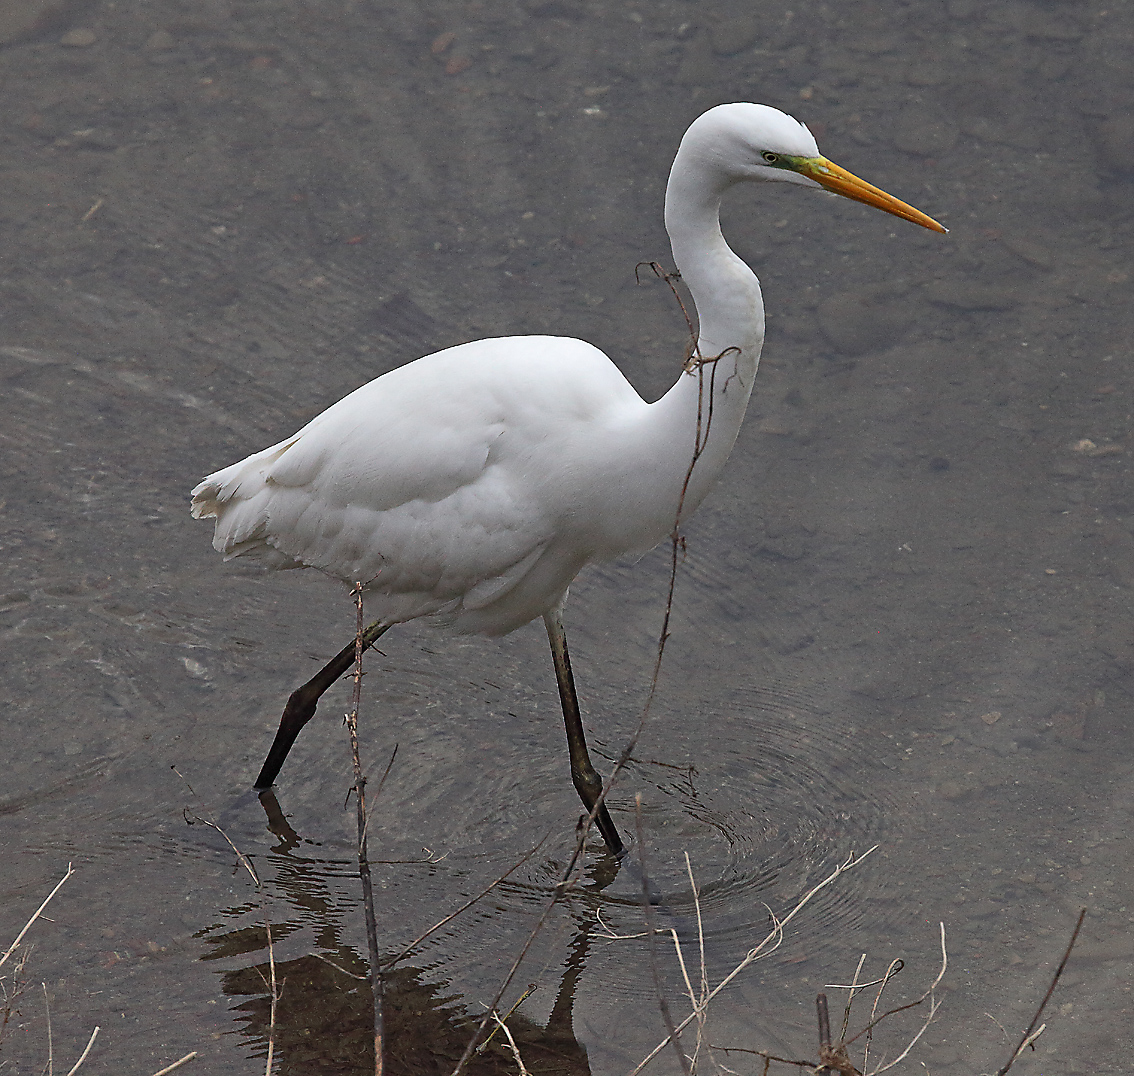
(10, 995)
(770, 943)
(275, 995)
(339, 968)
(511, 1043)
(934, 1005)
(193, 819)
(698, 1000)
(894, 968)
(50, 1041)
(532, 988)
(49, 1068)
(854, 987)
(83, 1055)
(35, 915)
(565, 885)
(13, 984)
(176, 1064)
(1033, 1032)
(834, 1057)
(363, 862)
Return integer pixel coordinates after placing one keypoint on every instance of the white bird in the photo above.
(475, 483)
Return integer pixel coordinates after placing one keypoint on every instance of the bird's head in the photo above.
(747, 142)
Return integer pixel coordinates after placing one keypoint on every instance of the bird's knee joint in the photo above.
(588, 785)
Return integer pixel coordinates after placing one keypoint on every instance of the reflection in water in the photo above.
(324, 1022)
(775, 802)
(324, 1014)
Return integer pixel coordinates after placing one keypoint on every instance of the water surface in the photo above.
(904, 617)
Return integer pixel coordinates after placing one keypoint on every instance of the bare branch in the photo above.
(895, 966)
(564, 886)
(934, 1005)
(765, 1055)
(50, 1044)
(699, 999)
(512, 1044)
(532, 988)
(177, 1064)
(912, 1004)
(857, 986)
(1026, 1041)
(275, 1001)
(337, 967)
(35, 915)
(191, 819)
(854, 988)
(769, 944)
(83, 1055)
(363, 862)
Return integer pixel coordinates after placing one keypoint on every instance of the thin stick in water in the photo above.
(212, 823)
(1026, 1041)
(824, 1016)
(50, 1044)
(83, 1055)
(176, 1064)
(275, 1001)
(363, 862)
(934, 1005)
(913, 1004)
(894, 967)
(35, 915)
(532, 988)
(511, 1044)
(769, 944)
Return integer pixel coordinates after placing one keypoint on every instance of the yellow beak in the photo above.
(840, 181)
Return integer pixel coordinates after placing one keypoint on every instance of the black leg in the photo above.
(301, 705)
(587, 782)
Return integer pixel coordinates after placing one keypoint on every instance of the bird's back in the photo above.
(446, 485)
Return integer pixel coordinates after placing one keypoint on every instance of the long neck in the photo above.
(730, 315)
(730, 309)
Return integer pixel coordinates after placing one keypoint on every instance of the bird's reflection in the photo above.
(323, 1017)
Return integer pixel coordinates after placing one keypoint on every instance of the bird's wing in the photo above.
(425, 482)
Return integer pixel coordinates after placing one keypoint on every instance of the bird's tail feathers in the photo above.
(238, 498)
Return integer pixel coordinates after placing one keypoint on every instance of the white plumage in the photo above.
(431, 483)
(475, 483)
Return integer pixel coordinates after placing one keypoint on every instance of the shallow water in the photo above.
(904, 617)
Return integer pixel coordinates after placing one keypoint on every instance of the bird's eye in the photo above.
(770, 157)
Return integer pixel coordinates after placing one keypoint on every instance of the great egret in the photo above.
(475, 483)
